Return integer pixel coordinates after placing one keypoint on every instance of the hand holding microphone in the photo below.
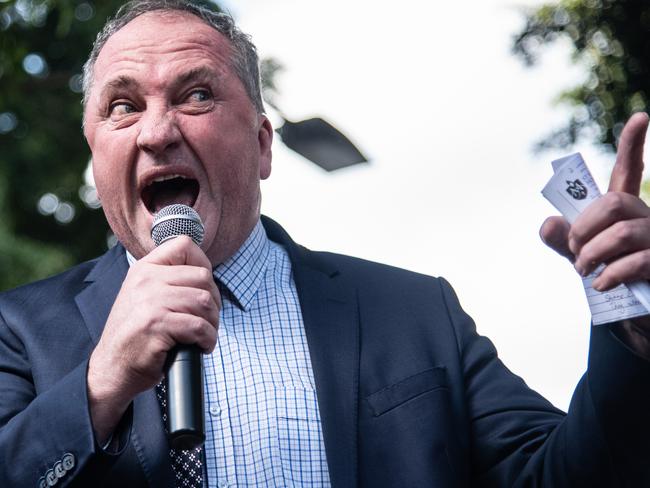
(168, 298)
(185, 414)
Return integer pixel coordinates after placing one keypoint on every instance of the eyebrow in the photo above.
(123, 82)
(202, 73)
(118, 84)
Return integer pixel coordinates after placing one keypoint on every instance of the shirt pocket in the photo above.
(300, 439)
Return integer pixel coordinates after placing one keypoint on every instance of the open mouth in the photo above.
(170, 189)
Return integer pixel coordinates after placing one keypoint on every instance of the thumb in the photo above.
(628, 169)
(180, 250)
(555, 234)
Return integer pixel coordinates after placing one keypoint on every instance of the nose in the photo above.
(159, 131)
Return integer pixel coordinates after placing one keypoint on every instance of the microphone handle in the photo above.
(185, 415)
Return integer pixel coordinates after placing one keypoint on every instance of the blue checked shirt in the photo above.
(263, 426)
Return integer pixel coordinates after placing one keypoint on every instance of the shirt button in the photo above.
(224, 484)
(215, 411)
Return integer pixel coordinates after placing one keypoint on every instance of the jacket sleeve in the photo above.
(45, 435)
(518, 439)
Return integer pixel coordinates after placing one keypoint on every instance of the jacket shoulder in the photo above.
(57, 289)
(348, 267)
(371, 272)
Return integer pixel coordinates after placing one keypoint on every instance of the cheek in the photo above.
(230, 160)
(107, 182)
(110, 170)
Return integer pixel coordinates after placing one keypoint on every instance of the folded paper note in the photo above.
(571, 190)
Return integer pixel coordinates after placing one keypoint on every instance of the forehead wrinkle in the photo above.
(202, 38)
(139, 54)
(211, 62)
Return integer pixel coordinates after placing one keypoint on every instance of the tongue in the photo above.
(172, 192)
(169, 198)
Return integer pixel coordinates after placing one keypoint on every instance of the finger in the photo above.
(180, 250)
(193, 301)
(187, 276)
(627, 173)
(188, 329)
(554, 233)
(624, 237)
(602, 213)
(628, 269)
(146, 281)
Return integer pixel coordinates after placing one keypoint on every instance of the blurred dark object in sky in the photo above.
(314, 139)
(321, 143)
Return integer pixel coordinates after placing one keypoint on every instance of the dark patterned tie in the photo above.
(187, 465)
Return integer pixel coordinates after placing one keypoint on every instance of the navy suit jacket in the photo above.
(409, 394)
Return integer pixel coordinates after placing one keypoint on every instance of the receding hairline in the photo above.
(242, 56)
(202, 72)
(169, 14)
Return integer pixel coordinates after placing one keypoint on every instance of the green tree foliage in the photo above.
(49, 217)
(611, 38)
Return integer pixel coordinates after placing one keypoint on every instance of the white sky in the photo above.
(430, 91)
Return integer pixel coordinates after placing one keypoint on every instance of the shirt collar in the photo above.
(243, 272)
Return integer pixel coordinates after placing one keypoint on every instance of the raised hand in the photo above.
(613, 230)
(168, 297)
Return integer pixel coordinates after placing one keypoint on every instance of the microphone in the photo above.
(185, 414)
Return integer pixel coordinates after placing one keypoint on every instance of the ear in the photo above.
(265, 139)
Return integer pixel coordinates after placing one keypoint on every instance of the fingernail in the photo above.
(578, 267)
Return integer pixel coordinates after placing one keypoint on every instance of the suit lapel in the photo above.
(147, 434)
(330, 314)
(96, 300)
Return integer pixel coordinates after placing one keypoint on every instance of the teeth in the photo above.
(166, 177)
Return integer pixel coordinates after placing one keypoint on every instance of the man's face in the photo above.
(168, 121)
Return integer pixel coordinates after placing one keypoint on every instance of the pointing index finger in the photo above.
(627, 173)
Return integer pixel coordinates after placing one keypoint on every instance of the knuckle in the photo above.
(204, 275)
(615, 204)
(623, 232)
(586, 256)
(197, 325)
(575, 243)
(203, 298)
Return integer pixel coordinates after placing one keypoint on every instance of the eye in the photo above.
(199, 95)
(120, 109)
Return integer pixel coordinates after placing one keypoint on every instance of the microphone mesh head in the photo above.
(176, 220)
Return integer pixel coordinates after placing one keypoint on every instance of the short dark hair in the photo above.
(244, 59)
